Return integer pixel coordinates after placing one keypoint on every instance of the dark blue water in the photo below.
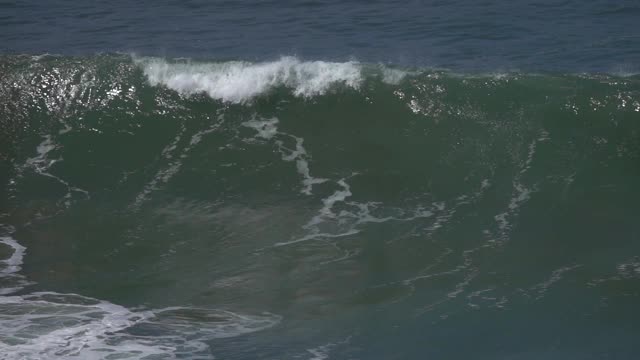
(568, 36)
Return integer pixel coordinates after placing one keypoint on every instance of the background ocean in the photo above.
(319, 180)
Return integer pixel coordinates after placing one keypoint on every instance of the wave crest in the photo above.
(240, 81)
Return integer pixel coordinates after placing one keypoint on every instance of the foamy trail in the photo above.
(10, 279)
(174, 156)
(267, 129)
(41, 164)
(14, 262)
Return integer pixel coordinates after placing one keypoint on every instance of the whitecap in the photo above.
(239, 81)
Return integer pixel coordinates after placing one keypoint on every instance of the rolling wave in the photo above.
(244, 184)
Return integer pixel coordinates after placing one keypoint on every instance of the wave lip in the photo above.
(240, 81)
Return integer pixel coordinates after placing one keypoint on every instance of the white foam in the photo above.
(10, 279)
(629, 269)
(165, 173)
(14, 262)
(33, 327)
(239, 81)
(337, 196)
(268, 129)
(443, 214)
(174, 159)
(544, 136)
(322, 352)
(393, 76)
(42, 164)
(69, 326)
(197, 137)
(329, 223)
(460, 287)
(317, 235)
(556, 276)
(520, 194)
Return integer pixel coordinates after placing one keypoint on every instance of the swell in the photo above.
(345, 159)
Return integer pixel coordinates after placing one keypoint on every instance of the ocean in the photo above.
(319, 180)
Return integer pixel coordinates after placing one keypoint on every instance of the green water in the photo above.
(316, 210)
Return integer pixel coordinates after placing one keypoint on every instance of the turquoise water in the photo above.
(159, 209)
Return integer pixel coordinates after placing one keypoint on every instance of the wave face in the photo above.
(314, 210)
